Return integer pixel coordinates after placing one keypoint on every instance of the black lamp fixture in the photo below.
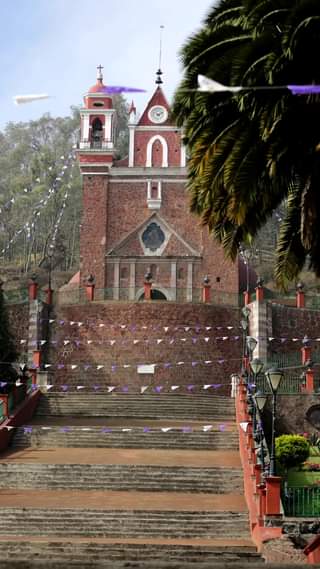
(251, 343)
(274, 377)
(256, 366)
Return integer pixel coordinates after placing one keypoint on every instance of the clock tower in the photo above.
(136, 216)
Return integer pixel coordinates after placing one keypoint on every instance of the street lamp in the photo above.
(251, 344)
(260, 401)
(274, 377)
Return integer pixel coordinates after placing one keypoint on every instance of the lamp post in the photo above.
(274, 377)
(256, 366)
(260, 401)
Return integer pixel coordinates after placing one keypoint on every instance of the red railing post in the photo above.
(90, 286)
(33, 288)
(259, 290)
(300, 296)
(273, 486)
(206, 290)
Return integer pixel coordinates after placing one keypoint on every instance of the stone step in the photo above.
(138, 437)
(120, 477)
(129, 524)
(126, 405)
(91, 552)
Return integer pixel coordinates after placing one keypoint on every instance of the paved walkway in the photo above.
(101, 500)
(159, 457)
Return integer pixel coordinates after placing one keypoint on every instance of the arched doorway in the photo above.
(155, 295)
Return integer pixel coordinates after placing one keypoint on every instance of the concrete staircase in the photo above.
(157, 406)
(95, 481)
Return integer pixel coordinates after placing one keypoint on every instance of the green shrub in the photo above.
(291, 450)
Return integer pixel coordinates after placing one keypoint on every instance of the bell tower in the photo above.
(96, 154)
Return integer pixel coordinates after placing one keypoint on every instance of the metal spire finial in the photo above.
(159, 72)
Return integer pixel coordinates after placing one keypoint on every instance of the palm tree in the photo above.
(251, 151)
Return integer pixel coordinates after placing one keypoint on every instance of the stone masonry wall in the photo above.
(289, 323)
(115, 334)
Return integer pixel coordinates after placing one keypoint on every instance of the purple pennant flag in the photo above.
(61, 322)
(221, 362)
(65, 430)
(304, 89)
(283, 340)
(222, 427)
(27, 430)
(216, 385)
(113, 368)
(96, 387)
(77, 343)
(3, 383)
(190, 387)
(106, 430)
(194, 364)
(236, 337)
(187, 429)
(125, 389)
(158, 388)
(60, 366)
(166, 365)
(86, 367)
(34, 387)
(116, 89)
(146, 429)
(194, 340)
(64, 387)
(197, 329)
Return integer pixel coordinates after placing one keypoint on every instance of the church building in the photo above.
(136, 220)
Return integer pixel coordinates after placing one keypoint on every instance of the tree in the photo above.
(291, 450)
(8, 353)
(254, 150)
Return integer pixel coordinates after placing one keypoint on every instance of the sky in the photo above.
(54, 47)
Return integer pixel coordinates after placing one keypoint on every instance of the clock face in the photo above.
(158, 114)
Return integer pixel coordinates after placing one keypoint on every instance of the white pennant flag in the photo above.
(46, 428)
(174, 387)
(47, 365)
(123, 326)
(207, 428)
(187, 328)
(49, 387)
(206, 339)
(72, 322)
(100, 367)
(144, 388)
(126, 366)
(136, 341)
(86, 429)
(207, 386)
(101, 325)
(89, 341)
(42, 342)
(23, 341)
(208, 328)
(183, 339)
(166, 328)
(74, 366)
(166, 429)
(180, 363)
(9, 428)
(80, 324)
(112, 342)
(159, 340)
(244, 426)
(80, 387)
(66, 342)
(126, 430)
(110, 388)
(225, 337)
(51, 320)
(208, 362)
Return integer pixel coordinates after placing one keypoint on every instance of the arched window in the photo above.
(157, 152)
(96, 133)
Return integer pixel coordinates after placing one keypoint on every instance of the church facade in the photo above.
(136, 220)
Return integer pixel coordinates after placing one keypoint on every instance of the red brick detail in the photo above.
(173, 139)
(158, 98)
(101, 157)
(93, 234)
(225, 354)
